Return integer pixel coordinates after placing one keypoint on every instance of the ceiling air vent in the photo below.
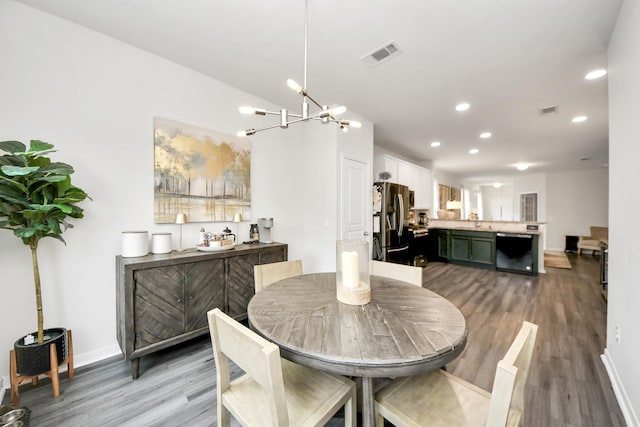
(382, 53)
(549, 110)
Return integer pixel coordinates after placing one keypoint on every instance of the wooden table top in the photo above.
(404, 330)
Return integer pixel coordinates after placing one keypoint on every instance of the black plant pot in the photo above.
(33, 359)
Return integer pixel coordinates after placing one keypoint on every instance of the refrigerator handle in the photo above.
(401, 216)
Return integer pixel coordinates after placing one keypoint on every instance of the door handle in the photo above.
(365, 234)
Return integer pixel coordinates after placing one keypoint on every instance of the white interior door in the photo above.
(355, 205)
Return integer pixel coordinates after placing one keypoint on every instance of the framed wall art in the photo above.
(201, 172)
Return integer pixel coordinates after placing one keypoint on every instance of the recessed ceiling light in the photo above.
(464, 106)
(522, 166)
(579, 119)
(485, 135)
(435, 144)
(596, 74)
(497, 185)
(474, 151)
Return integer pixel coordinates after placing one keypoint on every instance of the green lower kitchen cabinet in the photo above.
(442, 244)
(472, 247)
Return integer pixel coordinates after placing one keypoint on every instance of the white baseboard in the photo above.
(96, 355)
(630, 417)
(79, 360)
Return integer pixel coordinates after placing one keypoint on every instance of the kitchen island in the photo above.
(496, 245)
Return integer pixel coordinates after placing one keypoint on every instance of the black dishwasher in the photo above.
(514, 252)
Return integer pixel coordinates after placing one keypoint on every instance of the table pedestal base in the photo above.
(368, 412)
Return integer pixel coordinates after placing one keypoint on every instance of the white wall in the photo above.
(497, 203)
(624, 205)
(94, 98)
(576, 200)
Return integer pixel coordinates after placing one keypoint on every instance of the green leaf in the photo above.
(10, 170)
(10, 188)
(18, 201)
(78, 212)
(68, 209)
(58, 237)
(12, 183)
(12, 147)
(24, 232)
(37, 146)
(52, 178)
(54, 225)
(57, 168)
(39, 161)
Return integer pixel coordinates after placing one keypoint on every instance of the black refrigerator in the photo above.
(390, 218)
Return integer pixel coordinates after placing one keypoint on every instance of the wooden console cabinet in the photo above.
(163, 300)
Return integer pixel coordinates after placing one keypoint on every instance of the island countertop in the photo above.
(491, 226)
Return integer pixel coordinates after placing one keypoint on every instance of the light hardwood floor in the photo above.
(567, 385)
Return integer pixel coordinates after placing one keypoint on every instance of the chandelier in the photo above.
(325, 115)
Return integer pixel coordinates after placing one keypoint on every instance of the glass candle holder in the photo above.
(352, 272)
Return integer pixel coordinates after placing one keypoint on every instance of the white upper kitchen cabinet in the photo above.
(384, 163)
(417, 178)
(406, 174)
(424, 188)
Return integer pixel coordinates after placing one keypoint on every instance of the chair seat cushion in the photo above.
(436, 399)
(306, 405)
(589, 244)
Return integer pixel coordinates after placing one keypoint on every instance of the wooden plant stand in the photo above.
(17, 379)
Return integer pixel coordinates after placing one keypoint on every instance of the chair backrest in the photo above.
(266, 274)
(257, 357)
(511, 377)
(599, 232)
(402, 272)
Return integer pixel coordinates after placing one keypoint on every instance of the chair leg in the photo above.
(350, 414)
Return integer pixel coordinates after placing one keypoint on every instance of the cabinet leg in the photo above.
(135, 368)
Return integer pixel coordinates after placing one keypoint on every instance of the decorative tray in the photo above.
(215, 248)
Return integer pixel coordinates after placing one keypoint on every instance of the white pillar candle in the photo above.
(350, 270)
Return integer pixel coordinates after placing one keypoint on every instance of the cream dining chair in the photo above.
(273, 391)
(266, 274)
(438, 398)
(402, 272)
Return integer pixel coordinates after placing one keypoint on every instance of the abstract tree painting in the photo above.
(203, 173)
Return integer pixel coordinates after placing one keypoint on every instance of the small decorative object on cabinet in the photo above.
(37, 200)
(162, 300)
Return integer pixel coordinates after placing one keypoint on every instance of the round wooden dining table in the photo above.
(404, 329)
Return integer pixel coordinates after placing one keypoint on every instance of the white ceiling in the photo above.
(507, 58)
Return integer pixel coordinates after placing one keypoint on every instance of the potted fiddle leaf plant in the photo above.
(36, 199)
